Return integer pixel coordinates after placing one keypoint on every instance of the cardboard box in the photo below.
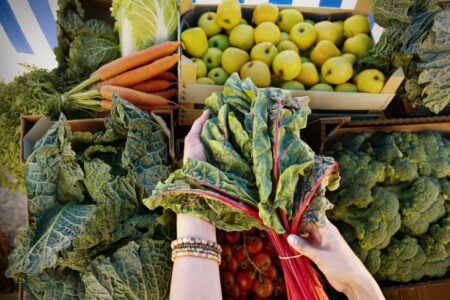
(191, 93)
(34, 127)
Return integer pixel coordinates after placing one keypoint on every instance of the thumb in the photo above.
(302, 246)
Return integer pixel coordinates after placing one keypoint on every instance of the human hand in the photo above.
(193, 147)
(326, 247)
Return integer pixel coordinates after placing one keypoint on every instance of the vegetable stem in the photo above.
(93, 79)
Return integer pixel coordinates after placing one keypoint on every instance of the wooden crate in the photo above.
(191, 93)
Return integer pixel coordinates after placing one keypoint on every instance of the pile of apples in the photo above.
(282, 49)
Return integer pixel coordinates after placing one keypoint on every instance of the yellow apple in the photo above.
(284, 36)
(327, 31)
(258, 72)
(205, 80)
(359, 44)
(287, 45)
(194, 41)
(241, 22)
(292, 85)
(346, 87)
(337, 70)
(264, 52)
(228, 13)
(323, 51)
(233, 59)
(287, 65)
(370, 81)
(308, 74)
(303, 35)
(267, 32)
(200, 66)
(340, 29)
(323, 87)
(265, 12)
(287, 18)
(241, 36)
(356, 24)
(350, 57)
(207, 22)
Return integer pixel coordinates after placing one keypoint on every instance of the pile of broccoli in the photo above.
(393, 206)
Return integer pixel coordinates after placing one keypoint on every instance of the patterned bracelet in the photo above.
(196, 247)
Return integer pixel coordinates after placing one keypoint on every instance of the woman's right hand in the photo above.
(326, 247)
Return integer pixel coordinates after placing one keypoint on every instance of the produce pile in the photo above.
(89, 236)
(417, 38)
(281, 48)
(259, 173)
(250, 266)
(393, 204)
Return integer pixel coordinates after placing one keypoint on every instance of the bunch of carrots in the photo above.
(142, 78)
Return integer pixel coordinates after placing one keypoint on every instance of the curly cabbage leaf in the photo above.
(143, 23)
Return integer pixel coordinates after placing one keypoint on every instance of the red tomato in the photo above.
(263, 261)
(252, 232)
(243, 294)
(257, 298)
(233, 291)
(263, 288)
(227, 280)
(269, 248)
(245, 280)
(271, 273)
(239, 253)
(227, 252)
(232, 237)
(232, 264)
(245, 264)
(223, 265)
(219, 235)
(280, 288)
(254, 244)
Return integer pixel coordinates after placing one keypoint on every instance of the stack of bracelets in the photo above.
(196, 247)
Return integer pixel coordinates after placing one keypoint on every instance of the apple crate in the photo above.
(191, 95)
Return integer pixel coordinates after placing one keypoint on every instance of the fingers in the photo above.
(303, 247)
(198, 124)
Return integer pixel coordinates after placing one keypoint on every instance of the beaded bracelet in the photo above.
(196, 247)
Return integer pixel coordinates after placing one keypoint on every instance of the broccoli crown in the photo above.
(393, 205)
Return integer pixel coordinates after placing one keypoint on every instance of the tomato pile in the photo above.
(250, 267)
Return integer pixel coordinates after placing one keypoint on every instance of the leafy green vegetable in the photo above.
(144, 23)
(393, 203)
(84, 194)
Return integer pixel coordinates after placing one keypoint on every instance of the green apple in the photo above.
(265, 12)
(310, 21)
(194, 41)
(307, 53)
(205, 80)
(228, 13)
(337, 70)
(327, 31)
(219, 41)
(241, 22)
(267, 32)
(287, 65)
(258, 72)
(340, 29)
(242, 36)
(370, 81)
(233, 59)
(346, 87)
(323, 51)
(305, 59)
(218, 75)
(356, 24)
(207, 22)
(359, 44)
(212, 58)
(303, 35)
(322, 78)
(323, 87)
(350, 57)
(264, 52)
(308, 74)
(287, 45)
(284, 36)
(292, 85)
(287, 18)
(202, 69)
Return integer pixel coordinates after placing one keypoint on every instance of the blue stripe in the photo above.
(44, 16)
(330, 3)
(12, 28)
(371, 19)
(282, 2)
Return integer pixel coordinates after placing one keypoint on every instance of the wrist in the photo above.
(363, 286)
(189, 226)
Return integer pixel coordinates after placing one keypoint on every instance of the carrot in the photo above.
(106, 105)
(132, 96)
(167, 94)
(152, 85)
(140, 74)
(166, 76)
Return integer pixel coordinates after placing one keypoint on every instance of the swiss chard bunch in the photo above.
(259, 173)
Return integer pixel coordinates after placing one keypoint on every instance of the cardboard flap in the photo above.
(34, 135)
(362, 7)
(393, 82)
